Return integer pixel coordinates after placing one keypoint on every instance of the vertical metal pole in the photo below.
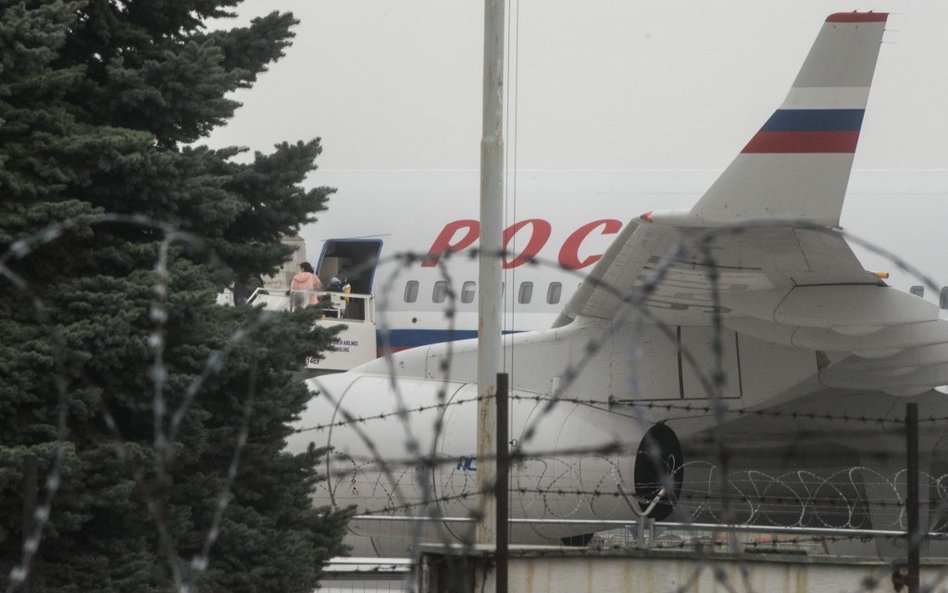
(30, 496)
(503, 482)
(914, 536)
(489, 277)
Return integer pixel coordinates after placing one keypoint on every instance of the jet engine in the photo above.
(398, 454)
(596, 461)
(658, 472)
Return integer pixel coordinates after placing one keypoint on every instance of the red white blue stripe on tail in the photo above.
(808, 130)
(797, 166)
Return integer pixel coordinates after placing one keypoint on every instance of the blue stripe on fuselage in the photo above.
(814, 120)
(410, 338)
(400, 339)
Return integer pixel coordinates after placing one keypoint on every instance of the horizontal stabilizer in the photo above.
(847, 309)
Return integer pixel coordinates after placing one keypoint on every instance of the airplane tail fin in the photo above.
(797, 166)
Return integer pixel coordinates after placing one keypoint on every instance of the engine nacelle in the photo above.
(596, 462)
(582, 462)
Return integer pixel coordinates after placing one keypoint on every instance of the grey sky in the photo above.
(602, 84)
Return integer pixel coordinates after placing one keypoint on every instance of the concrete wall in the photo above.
(554, 571)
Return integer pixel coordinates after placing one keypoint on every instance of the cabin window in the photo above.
(440, 291)
(467, 291)
(411, 291)
(526, 293)
(554, 293)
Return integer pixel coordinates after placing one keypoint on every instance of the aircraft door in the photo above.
(356, 258)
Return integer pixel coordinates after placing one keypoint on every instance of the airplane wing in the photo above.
(761, 250)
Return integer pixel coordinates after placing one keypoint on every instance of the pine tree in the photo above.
(117, 229)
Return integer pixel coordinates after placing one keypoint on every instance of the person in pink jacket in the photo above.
(304, 283)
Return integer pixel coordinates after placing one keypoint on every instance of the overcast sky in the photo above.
(598, 84)
(395, 84)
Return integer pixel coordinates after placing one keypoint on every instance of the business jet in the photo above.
(689, 321)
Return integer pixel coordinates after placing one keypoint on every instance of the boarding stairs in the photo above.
(355, 344)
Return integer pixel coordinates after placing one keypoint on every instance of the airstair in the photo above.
(354, 345)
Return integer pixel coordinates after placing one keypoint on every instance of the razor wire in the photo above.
(634, 312)
(617, 404)
(716, 378)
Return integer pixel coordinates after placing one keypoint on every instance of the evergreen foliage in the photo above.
(102, 103)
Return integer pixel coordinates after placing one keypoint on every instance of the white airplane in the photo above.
(564, 242)
(751, 300)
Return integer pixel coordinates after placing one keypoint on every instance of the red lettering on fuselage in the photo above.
(446, 241)
(540, 234)
(569, 253)
(461, 234)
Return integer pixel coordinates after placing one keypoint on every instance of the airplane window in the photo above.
(440, 291)
(467, 291)
(526, 293)
(554, 292)
(411, 291)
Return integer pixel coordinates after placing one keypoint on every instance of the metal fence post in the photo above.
(503, 479)
(914, 535)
